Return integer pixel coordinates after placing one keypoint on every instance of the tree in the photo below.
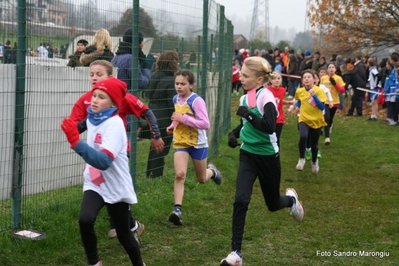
(168, 41)
(146, 25)
(259, 41)
(282, 44)
(303, 40)
(353, 25)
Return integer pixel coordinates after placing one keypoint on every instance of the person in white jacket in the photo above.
(107, 181)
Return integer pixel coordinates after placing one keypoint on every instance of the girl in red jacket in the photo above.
(279, 92)
(235, 78)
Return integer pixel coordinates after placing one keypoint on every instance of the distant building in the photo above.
(239, 41)
(45, 11)
(195, 33)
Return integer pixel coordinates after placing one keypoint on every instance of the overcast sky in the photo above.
(285, 14)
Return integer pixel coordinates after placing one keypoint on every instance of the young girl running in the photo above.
(259, 154)
(279, 94)
(107, 180)
(311, 100)
(326, 114)
(235, 78)
(189, 124)
(99, 71)
(336, 85)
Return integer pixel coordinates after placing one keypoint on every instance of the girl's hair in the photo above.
(168, 61)
(331, 63)
(275, 74)
(187, 74)
(383, 62)
(260, 66)
(102, 40)
(106, 64)
(322, 58)
(321, 69)
(310, 71)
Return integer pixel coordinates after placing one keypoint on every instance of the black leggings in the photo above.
(156, 161)
(312, 135)
(268, 169)
(329, 121)
(278, 131)
(120, 212)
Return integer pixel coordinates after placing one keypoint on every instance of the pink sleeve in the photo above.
(201, 120)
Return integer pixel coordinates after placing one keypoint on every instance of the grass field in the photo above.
(351, 206)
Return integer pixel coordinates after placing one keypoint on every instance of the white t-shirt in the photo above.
(42, 51)
(110, 137)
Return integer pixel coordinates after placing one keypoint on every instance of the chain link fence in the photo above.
(38, 89)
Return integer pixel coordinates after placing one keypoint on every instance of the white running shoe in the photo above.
(327, 141)
(315, 167)
(138, 231)
(112, 233)
(301, 164)
(296, 211)
(233, 259)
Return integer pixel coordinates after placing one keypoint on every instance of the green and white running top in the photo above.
(253, 140)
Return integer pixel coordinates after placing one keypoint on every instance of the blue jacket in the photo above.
(124, 64)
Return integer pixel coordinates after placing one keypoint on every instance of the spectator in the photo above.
(63, 51)
(278, 66)
(352, 78)
(299, 56)
(360, 67)
(292, 70)
(160, 92)
(123, 61)
(322, 62)
(99, 49)
(7, 52)
(14, 51)
(42, 51)
(50, 51)
(74, 60)
(316, 63)
(339, 63)
(269, 57)
(307, 62)
(192, 60)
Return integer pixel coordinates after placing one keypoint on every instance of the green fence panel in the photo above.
(39, 173)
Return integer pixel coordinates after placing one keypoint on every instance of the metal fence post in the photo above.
(204, 70)
(135, 84)
(19, 118)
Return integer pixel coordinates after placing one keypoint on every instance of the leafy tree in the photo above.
(282, 44)
(168, 41)
(346, 26)
(259, 42)
(146, 25)
(303, 40)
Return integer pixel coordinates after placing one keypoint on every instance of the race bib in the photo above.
(312, 101)
(95, 176)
